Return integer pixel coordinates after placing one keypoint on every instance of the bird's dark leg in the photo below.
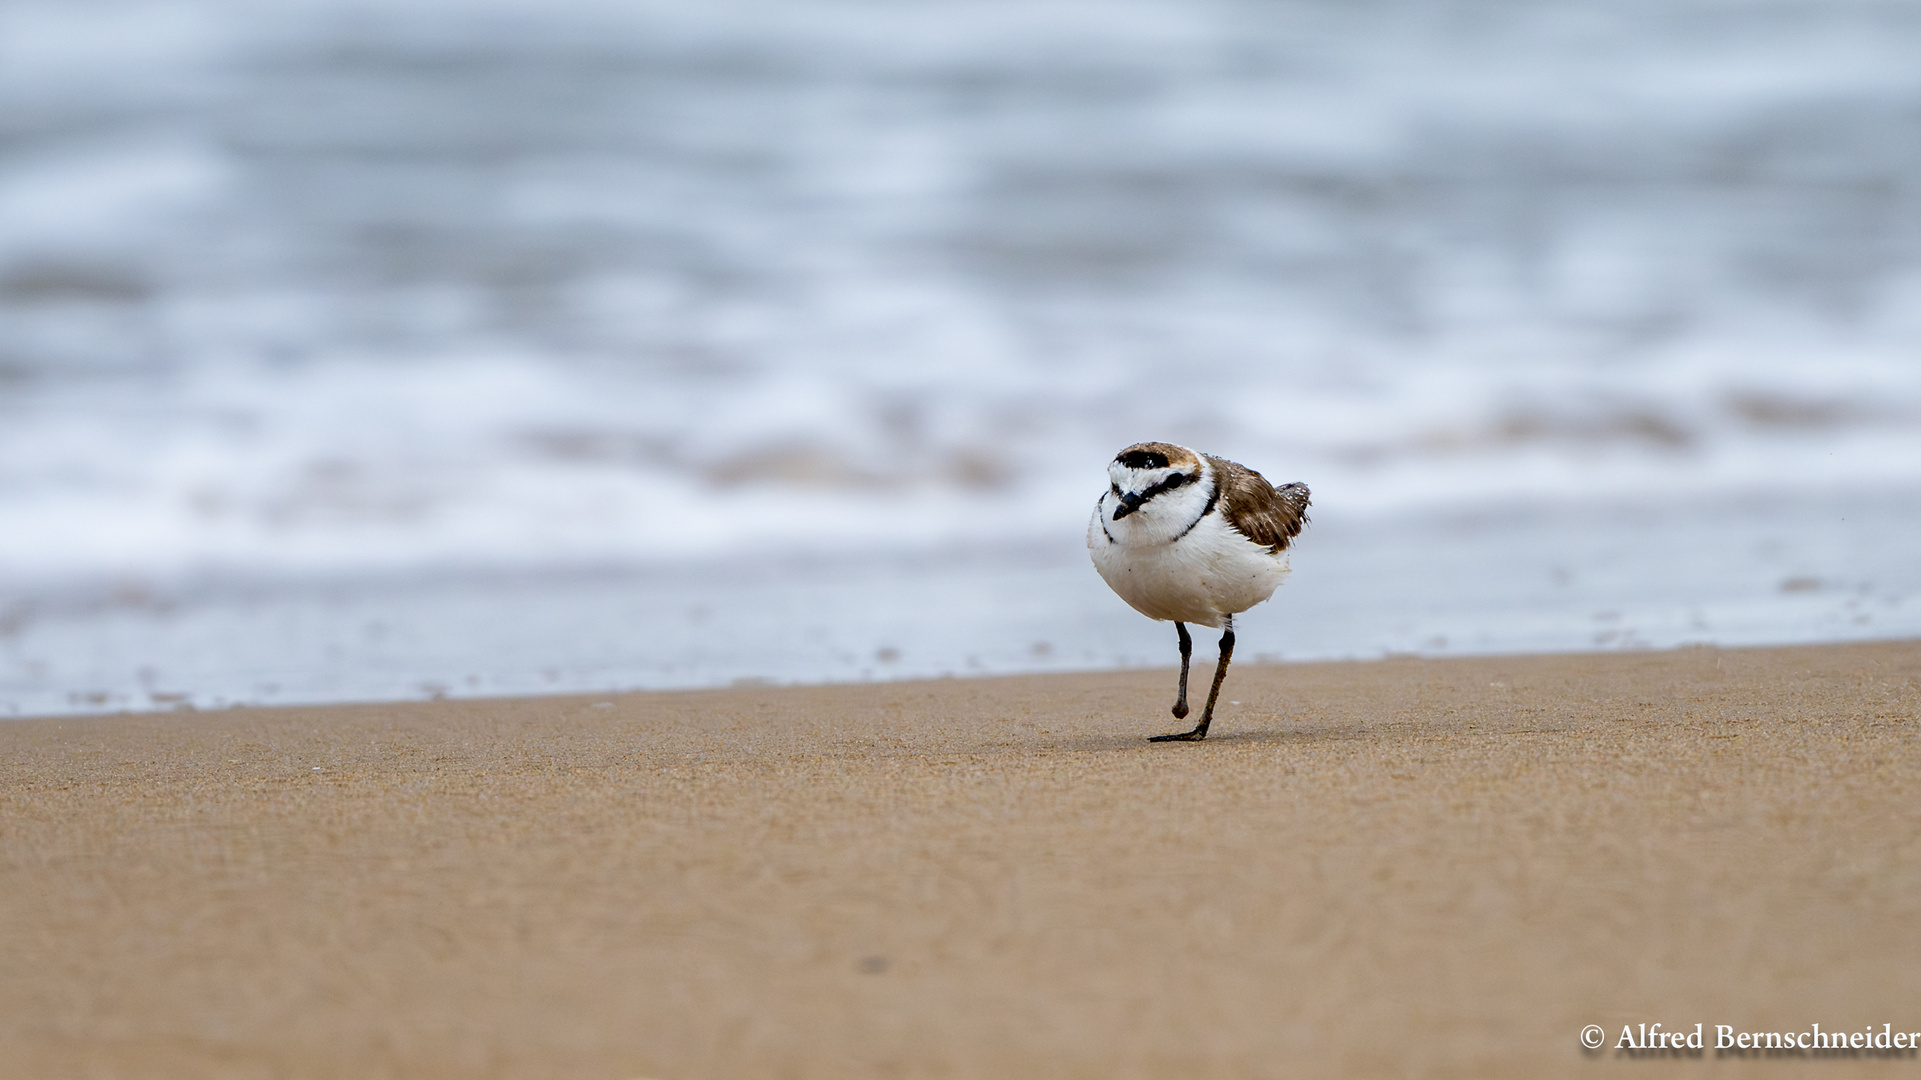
(1207, 711)
(1187, 650)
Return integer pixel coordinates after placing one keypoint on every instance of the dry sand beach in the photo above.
(1405, 867)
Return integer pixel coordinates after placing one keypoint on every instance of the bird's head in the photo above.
(1144, 472)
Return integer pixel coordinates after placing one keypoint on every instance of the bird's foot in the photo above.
(1196, 735)
(1179, 710)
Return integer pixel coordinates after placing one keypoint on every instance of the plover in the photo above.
(1191, 538)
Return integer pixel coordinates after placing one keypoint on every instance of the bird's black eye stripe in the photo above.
(1116, 487)
(1168, 484)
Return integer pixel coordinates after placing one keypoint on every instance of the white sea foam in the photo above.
(504, 461)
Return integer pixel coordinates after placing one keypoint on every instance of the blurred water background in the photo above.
(365, 350)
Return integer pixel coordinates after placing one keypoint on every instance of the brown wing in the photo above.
(1257, 509)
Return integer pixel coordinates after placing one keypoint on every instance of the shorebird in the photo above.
(1188, 537)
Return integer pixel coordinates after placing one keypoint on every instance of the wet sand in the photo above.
(1406, 867)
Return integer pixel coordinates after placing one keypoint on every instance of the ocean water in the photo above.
(354, 350)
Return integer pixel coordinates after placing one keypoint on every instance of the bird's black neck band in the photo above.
(1213, 498)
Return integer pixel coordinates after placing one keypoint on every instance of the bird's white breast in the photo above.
(1206, 574)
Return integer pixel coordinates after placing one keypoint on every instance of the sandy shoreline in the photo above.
(1435, 867)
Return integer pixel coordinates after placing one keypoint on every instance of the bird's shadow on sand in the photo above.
(1273, 736)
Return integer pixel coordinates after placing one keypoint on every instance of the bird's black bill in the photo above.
(1130, 502)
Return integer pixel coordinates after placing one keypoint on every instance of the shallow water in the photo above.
(1620, 577)
(583, 314)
